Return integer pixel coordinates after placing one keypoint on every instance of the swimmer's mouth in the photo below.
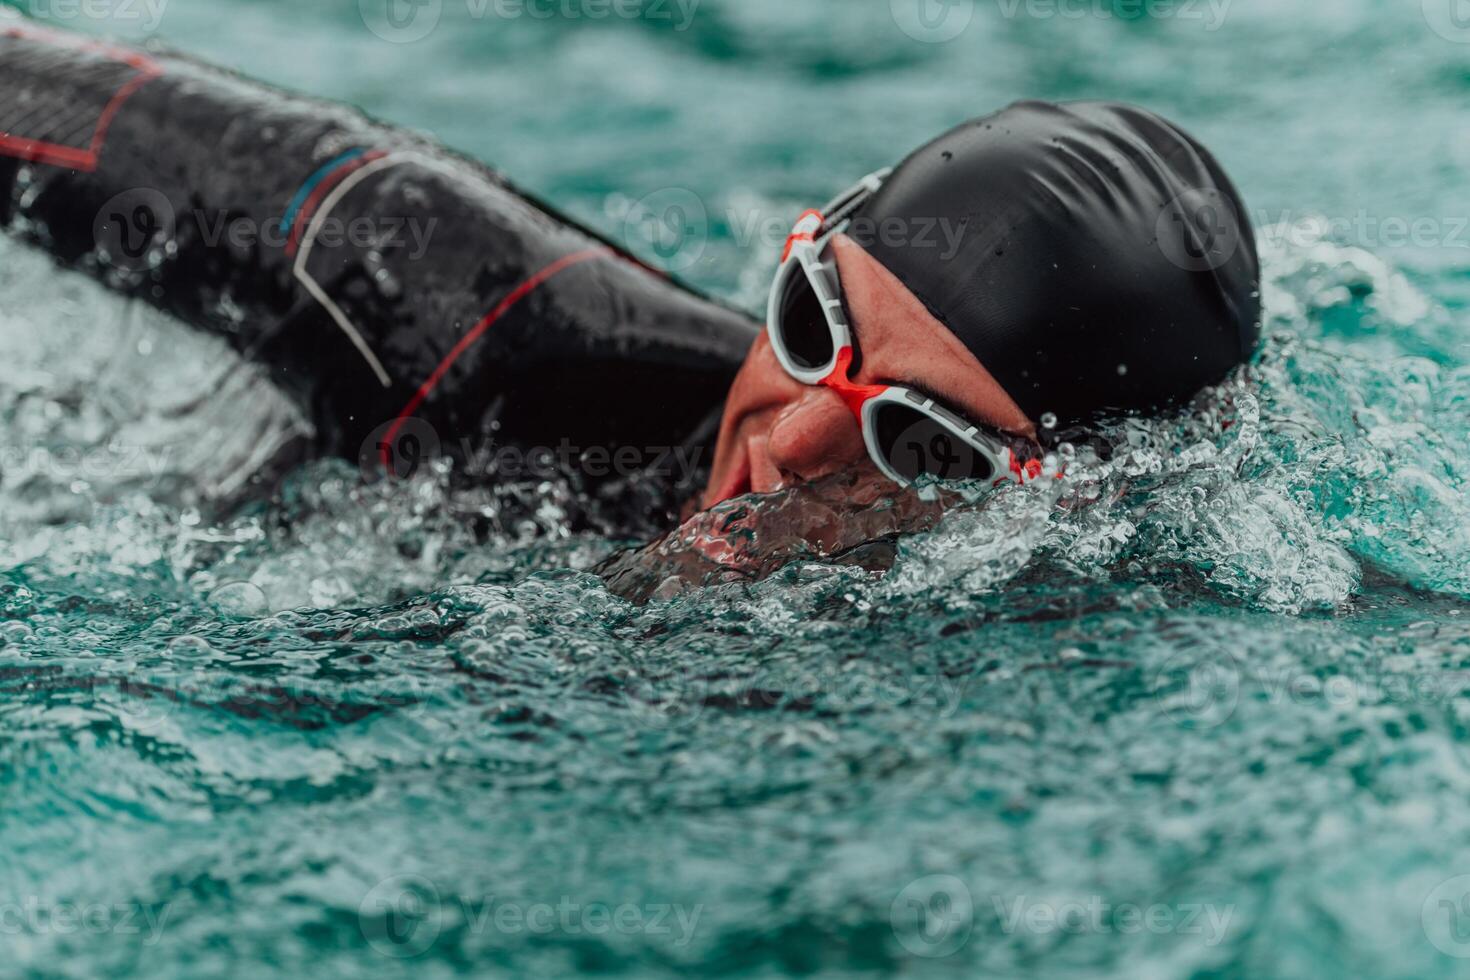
(737, 482)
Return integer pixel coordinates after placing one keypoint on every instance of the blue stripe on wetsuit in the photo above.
(301, 195)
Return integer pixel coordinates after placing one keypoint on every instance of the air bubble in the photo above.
(240, 599)
(190, 647)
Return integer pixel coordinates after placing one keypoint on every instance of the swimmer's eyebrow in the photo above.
(948, 401)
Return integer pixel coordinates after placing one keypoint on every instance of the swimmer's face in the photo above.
(777, 431)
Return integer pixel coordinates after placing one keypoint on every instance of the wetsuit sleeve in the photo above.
(380, 277)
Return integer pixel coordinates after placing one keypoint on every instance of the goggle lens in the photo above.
(802, 328)
(914, 445)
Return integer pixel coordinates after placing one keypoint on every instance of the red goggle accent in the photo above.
(805, 235)
(1029, 471)
(853, 395)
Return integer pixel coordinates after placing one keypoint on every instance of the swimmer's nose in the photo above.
(814, 436)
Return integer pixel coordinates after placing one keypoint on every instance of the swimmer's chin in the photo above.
(750, 535)
(736, 483)
(750, 471)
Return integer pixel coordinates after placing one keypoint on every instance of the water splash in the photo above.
(379, 679)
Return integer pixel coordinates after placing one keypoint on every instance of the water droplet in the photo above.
(239, 599)
(1048, 421)
(190, 647)
(1122, 369)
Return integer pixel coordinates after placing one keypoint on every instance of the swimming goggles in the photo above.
(907, 433)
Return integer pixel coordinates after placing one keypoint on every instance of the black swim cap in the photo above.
(1093, 256)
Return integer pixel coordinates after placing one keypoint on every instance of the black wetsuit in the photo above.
(388, 284)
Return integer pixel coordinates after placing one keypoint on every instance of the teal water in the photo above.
(1205, 712)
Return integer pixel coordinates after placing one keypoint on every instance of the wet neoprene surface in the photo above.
(459, 302)
(1104, 260)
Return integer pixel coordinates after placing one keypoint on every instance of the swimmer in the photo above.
(1016, 279)
(1023, 273)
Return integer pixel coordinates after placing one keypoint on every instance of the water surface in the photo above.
(1219, 682)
